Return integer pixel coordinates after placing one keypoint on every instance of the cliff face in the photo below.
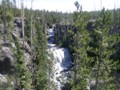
(7, 56)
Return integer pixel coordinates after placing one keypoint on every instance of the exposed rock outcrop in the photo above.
(7, 56)
(6, 60)
(3, 79)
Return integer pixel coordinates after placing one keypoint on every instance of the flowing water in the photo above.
(61, 62)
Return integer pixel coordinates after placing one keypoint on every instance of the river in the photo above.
(61, 61)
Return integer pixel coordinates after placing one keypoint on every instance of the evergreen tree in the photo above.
(23, 18)
(41, 56)
(23, 76)
(6, 16)
(50, 83)
(31, 23)
(79, 48)
(101, 50)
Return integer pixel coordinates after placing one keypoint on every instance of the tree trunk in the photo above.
(31, 24)
(75, 61)
(4, 38)
(98, 68)
(22, 17)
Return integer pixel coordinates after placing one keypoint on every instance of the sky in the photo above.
(68, 5)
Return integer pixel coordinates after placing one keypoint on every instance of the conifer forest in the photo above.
(55, 50)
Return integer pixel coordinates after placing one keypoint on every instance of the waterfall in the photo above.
(61, 62)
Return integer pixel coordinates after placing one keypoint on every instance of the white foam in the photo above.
(61, 62)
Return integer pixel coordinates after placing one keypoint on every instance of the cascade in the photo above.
(61, 62)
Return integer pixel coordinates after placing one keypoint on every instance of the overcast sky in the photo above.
(68, 5)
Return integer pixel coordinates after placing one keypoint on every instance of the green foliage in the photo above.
(41, 56)
(50, 62)
(6, 16)
(9, 84)
(79, 48)
(101, 48)
(27, 28)
(22, 71)
(94, 54)
(6, 11)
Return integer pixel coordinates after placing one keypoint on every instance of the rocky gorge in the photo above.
(7, 56)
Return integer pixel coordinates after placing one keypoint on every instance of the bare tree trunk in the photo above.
(31, 25)
(4, 24)
(75, 71)
(75, 61)
(22, 17)
(97, 76)
(4, 39)
(98, 68)
(49, 77)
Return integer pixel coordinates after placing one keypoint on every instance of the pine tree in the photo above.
(31, 23)
(23, 76)
(22, 18)
(79, 48)
(101, 50)
(50, 83)
(41, 56)
(6, 16)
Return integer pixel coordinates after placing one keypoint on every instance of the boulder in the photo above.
(6, 60)
(3, 79)
(13, 45)
(1, 29)
(1, 42)
(26, 46)
(27, 58)
(17, 32)
(18, 22)
(66, 87)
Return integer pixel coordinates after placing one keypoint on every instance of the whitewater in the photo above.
(61, 61)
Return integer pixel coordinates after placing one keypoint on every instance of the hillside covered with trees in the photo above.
(32, 42)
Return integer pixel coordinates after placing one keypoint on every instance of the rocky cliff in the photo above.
(7, 56)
